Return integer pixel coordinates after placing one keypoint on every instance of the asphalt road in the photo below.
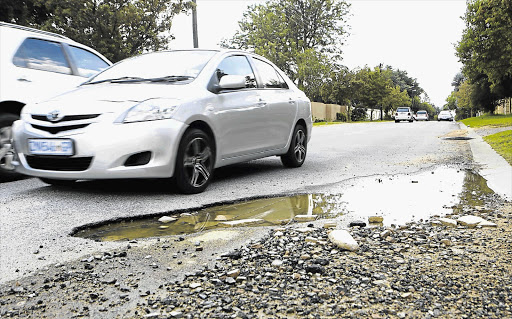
(36, 219)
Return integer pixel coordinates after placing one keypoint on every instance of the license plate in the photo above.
(50, 146)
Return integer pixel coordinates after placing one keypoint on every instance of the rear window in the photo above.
(422, 112)
(42, 55)
(402, 109)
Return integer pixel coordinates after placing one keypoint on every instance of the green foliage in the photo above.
(359, 114)
(299, 36)
(502, 144)
(486, 47)
(489, 120)
(116, 28)
(341, 117)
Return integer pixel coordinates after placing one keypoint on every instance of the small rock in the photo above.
(357, 223)
(343, 240)
(233, 273)
(277, 263)
(448, 222)
(167, 219)
(375, 219)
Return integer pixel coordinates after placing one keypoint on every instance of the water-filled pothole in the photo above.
(457, 138)
(399, 199)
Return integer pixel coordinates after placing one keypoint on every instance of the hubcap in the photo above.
(300, 146)
(197, 162)
(6, 149)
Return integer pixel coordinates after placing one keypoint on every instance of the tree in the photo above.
(486, 46)
(116, 28)
(465, 107)
(292, 33)
(395, 99)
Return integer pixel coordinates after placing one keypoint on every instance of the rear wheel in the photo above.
(194, 163)
(58, 182)
(6, 146)
(296, 154)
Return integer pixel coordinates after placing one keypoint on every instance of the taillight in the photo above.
(408, 113)
(396, 114)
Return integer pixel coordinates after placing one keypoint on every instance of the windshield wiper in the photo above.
(119, 80)
(170, 78)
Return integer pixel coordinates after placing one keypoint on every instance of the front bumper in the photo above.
(108, 145)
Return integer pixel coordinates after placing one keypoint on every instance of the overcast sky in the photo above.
(417, 36)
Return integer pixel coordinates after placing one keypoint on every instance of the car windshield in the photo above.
(168, 66)
(402, 109)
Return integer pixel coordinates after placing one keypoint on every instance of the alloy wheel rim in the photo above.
(6, 149)
(300, 146)
(197, 162)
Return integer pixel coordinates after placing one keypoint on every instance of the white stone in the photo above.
(278, 234)
(470, 221)
(448, 222)
(486, 223)
(343, 240)
(166, 219)
(277, 263)
(305, 218)
(195, 285)
(242, 222)
(310, 239)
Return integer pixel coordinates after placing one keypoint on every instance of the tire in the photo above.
(58, 182)
(297, 151)
(397, 121)
(194, 162)
(6, 148)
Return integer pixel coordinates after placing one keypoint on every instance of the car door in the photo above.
(281, 103)
(43, 70)
(239, 114)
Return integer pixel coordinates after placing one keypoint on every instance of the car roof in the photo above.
(24, 28)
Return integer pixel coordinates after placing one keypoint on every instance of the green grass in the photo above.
(489, 120)
(502, 144)
(326, 123)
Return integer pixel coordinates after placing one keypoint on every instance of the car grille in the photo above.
(58, 129)
(52, 163)
(66, 118)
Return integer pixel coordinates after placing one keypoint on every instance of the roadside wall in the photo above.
(326, 112)
(504, 106)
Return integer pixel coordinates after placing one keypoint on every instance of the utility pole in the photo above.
(194, 25)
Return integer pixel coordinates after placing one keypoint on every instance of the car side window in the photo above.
(87, 62)
(237, 65)
(269, 76)
(42, 55)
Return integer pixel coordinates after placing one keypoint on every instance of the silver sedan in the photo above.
(166, 114)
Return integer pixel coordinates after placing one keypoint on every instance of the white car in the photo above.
(445, 116)
(421, 116)
(404, 114)
(36, 65)
(166, 114)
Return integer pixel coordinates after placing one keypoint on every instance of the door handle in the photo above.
(24, 80)
(262, 103)
(291, 101)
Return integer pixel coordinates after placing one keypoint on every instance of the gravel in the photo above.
(419, 270)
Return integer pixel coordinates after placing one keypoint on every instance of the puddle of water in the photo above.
(399, 199)
(259, 212)
(457, 138)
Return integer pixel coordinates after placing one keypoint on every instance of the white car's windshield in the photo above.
(169, 66)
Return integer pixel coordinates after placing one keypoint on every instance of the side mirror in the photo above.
(232, 82)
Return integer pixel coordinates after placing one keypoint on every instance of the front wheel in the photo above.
(6, 147)
(296, 154)
(194, 163)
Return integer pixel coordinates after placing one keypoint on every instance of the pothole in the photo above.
(398, 199)
(457, 138)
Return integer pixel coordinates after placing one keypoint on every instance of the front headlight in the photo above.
(151, 110)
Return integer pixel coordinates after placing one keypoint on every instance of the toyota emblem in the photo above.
(54, 116)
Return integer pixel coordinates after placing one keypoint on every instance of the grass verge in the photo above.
(489, 120)
(502, 144)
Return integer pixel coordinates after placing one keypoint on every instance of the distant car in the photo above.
(445, 116)
(36, 65)
(404, 114)
(421, 116)
(177, 114)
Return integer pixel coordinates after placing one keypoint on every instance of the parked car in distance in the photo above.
(404, 114)
(177, 114)
(445, 116)
(421, 116)
(36, 65)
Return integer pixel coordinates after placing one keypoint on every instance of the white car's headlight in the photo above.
(151, 110)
